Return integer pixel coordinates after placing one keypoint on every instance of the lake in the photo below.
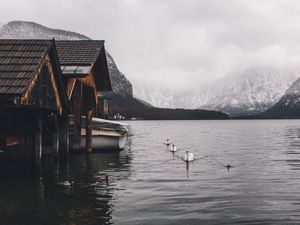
(147, 184)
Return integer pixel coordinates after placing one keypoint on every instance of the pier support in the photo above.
(63, 137)
(55, 137)
(38, 141)
(88, 131)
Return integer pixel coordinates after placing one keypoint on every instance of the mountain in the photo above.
(23, 29)
(133, 108)
(247, 91)
(120, 84)
(288, 107)
(123, 101)
(163, 98)
(250, 91)
(166, 98)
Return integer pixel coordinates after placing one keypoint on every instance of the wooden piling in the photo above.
(38, 141)
(55, 136)
(88, 131)
(63, 137)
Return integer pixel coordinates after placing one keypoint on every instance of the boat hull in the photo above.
(105, 142)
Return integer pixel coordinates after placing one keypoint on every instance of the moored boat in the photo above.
(106, 134)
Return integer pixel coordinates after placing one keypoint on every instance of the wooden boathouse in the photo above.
(85, 75)
(34, 106)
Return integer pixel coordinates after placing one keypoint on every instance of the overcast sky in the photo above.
(179, 43)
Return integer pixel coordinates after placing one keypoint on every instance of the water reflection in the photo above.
(292, 135)
(42, 199)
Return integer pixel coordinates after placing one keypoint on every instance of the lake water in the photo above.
(150, 185)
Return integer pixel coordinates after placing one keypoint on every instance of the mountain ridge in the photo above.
(288, 107)
(248, 91)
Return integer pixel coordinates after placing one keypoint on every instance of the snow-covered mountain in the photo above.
(158, 97)
(242, 92)
(120, 84)
(249, 91)
(22, 29)
(289, 104)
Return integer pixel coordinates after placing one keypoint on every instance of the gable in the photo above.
(101, 73)
(79, 59)
(43, 90)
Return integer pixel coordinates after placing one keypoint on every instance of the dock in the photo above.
(46, 87)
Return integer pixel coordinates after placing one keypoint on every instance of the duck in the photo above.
(168, 142)
(66, 183)
(188, 157)
(173, 148)
(228, 167)
(104, 177)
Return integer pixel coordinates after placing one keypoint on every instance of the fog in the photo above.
(172, 43)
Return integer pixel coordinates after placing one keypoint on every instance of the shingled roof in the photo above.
(79, 58)
(19, 60)
(83, 52)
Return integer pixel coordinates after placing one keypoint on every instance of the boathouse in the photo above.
(33, 102)
(85, 75)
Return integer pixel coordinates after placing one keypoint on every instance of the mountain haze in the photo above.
(247, 91)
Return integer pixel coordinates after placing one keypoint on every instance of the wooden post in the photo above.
(63, 137)
(55, 137)
(88, 131)
(38, 141)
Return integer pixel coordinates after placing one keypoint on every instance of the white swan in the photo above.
(188, 157)
(173, 148)
(168, 142)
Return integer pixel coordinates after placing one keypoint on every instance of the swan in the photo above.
(168, 142)
(188, 157)
(173, 148)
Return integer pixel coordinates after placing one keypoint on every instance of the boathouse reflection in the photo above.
(87, 201)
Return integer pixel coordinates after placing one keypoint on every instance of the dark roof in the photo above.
(19, 59)
(84, 52)
(79, 58)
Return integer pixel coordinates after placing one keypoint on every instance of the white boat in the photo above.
(106, 134)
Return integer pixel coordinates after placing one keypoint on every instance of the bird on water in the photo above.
(228, 167)
(173, 148)
(168, 142)
(188, 157)
(67, 183)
